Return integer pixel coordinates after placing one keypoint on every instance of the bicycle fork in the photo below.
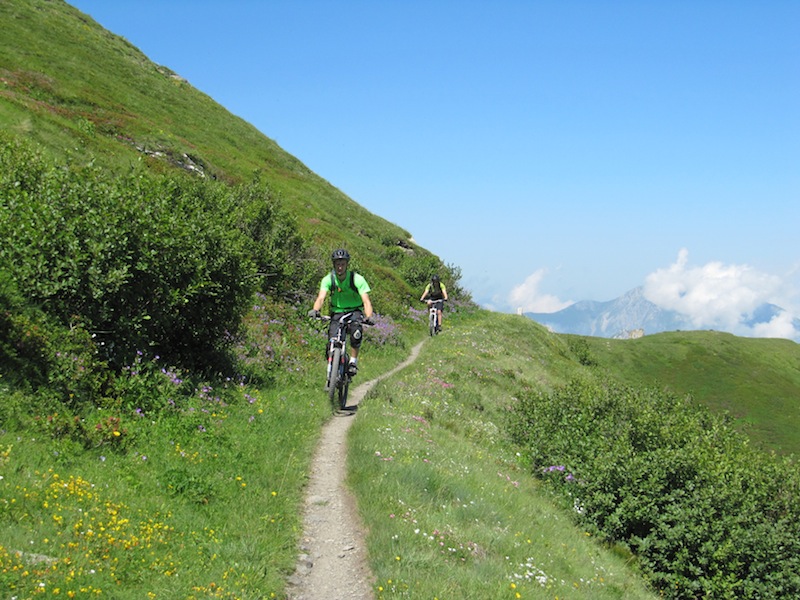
(330, 364)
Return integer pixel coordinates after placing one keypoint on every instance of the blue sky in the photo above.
(554, 150)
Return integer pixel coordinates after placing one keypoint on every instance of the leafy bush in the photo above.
(165, 265)
(580, 348)
(707, 515)
(38, 355)
(22, 347)
(274, 342)
(280, 255)
(417, 269)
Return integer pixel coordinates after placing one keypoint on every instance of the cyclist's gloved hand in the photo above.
(313, 313)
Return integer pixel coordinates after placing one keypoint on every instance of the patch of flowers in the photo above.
(449, 546)
(529, 572)
(417, 314)
(384, 332)
(275, 341)
(87, 544)
(559, 470)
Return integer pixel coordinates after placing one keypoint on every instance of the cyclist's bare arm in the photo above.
(320, 301)
(367, 305)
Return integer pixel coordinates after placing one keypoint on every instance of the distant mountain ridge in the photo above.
(630, 315)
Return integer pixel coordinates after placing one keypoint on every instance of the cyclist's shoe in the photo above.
(352, 369)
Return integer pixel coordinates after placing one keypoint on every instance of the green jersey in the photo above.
(434, 293)
(345, 293)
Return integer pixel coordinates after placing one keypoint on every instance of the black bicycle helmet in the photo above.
(435, 279)
(340, 254)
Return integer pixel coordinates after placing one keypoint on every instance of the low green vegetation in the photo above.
(502, 433)
(161, 388)
(188, 488)
(201, 503)
(145, 262)
(705, 514)
(753, 380)
(451, 510)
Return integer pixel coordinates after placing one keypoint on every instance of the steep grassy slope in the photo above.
(755, 380)
(452, 510)
(205, 479)
(89, 96)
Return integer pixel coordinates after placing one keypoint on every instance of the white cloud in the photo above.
(720, 296)
(527, 297)
(781, 326)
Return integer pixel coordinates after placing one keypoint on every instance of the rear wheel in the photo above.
(333, 381)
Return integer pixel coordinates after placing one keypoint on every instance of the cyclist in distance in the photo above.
(349, 293)
(435, 293)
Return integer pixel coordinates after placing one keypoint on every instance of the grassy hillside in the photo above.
(90, 97)
(755, 380)
(452, 509)
(205, 494)
(460, 460)
(507, 463)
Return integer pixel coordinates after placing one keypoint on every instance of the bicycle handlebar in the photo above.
(345, 318)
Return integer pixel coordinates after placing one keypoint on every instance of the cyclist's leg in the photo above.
(439, 313)
(356, 333)
(333, 328)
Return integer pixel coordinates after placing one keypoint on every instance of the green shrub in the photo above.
(418, 268)
(38, 355)
(280, 255)
(156, 264)
(580, 348)
(675, 484)
(276, 341)
(22, 342)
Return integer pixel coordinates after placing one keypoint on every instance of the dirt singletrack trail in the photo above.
(332, 564)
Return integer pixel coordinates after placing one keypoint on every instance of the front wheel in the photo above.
(335, 373)
(432, 323)
(344, 387)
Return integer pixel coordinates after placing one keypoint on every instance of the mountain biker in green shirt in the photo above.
(349, 293)
(435, 293)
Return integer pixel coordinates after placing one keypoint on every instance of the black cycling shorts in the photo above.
(354, 329)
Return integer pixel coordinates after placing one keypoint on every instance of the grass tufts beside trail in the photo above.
(450, 511)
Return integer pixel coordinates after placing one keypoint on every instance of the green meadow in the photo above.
(161, 386)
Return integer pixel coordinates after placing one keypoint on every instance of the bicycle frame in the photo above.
(433, 318)
(337, 381)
